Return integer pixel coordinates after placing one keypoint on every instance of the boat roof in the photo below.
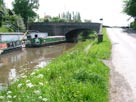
(55, 36)
(11, 33)
(32, 31)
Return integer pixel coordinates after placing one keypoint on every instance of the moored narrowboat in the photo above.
(40, 39)
(10, 41)
(10, 46)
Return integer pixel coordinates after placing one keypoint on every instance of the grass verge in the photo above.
(75, 76)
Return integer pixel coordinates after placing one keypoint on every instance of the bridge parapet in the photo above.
(64, 28)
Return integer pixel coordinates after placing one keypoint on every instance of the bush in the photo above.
(133, 25)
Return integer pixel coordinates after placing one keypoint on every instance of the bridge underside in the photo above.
(73, 36)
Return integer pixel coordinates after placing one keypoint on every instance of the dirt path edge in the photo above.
(119, 89)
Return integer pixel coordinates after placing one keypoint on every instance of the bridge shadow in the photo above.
(77, 34)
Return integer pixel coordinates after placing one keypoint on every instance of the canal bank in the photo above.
(19, 63)
(75, 76)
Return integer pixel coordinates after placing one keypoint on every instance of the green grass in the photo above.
(75, 76)
(5, 29)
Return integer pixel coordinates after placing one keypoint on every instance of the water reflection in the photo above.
(23, 62)
(12, 74)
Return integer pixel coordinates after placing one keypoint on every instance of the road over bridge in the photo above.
(70, 30)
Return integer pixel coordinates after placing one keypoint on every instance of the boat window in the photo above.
(28, 37)
(8, 44)
(36, 35)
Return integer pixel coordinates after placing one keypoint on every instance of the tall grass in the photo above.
(5, 29)
(75, 76)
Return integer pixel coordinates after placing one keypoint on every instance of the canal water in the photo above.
(19, 63)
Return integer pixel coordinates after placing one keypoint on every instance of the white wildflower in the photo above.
(38, 92)
(27, 81)
(9, 96)
(19, 85)
(40, 83)
(40, 76)
(30, 85)
(14, 96)
(23, 76)
(40, 97)
(9, 101)
(9, 92)
(44, 99)
(1, 97)
(33, 73)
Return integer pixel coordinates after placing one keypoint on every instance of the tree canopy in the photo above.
(130, 8)
(26, 9)
(2, 11)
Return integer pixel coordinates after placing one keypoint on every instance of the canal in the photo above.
(19, 63)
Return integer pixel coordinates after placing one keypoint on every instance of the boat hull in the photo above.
(38, 42)
(10, 46)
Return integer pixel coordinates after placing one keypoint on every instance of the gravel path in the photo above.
(123, 66)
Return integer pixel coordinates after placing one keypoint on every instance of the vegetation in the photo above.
(130, 9)
(5, 29)
(64, 17)
(87, 34)
(3, 11)
(70, 17)
(25, 8)
(8, 20)
(75, 76)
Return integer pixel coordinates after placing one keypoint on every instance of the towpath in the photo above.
(123, 65)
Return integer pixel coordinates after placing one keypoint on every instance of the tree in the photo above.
(130, 9)
(71, 17)
(3, 11)
(25, 8)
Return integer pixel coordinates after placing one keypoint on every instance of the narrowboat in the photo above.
(10, 41)
(37, 39)
(10, 46)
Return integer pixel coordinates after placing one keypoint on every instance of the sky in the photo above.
(109, 10)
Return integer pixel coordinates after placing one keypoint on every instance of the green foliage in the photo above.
(101, 50)
(133, 25)
(14, 22)
(5, 29)
(87, 34)
(3, 12)
(64, 17)
(1, 2)
(25, 8)
(130, 7)
(70, 17)
(56, 19)
(9, 19)
(75, 76)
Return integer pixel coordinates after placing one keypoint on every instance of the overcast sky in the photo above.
(109, 10)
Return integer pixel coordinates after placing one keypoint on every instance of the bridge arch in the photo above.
(73, 34)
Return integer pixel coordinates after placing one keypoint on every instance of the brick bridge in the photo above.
(70, 30)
